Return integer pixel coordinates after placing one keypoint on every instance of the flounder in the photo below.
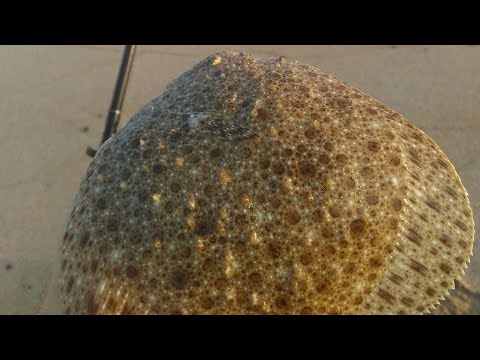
(263, 186)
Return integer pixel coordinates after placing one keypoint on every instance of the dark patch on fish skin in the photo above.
(413, 236)
(92, 306)
(442, 164)
(388, 297)
(451, 192)
(131, 271)
(445, 240)
(447, 269)
(462, 243)
(430, 292)
(433, 204)
(396, 279)
(204, 226)
(274, 250)
(180, 280)
(415, 157)
(407, 301)
(128, 309)
(420, 268)
(461, 225)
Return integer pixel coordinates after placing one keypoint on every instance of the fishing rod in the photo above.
(113, 116)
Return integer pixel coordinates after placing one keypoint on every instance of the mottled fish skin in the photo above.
(262, 186)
